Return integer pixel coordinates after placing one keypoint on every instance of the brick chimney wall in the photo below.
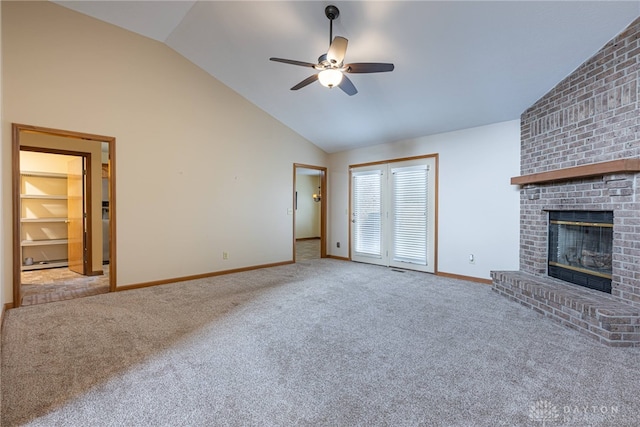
(591, 116)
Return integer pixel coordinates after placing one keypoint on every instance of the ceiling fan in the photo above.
(331, 67)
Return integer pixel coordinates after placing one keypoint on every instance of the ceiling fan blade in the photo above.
(347, 86)
(337, 50)
(292, 62)
(368, 67)
(306, 82)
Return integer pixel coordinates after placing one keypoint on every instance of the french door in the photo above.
(393, 214)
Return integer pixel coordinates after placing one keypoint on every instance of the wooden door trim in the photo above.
(16, 129)
(323, 207)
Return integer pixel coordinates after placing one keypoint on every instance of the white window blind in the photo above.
(367, 212)
(409, 210)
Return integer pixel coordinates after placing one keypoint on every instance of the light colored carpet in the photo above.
(321, 342)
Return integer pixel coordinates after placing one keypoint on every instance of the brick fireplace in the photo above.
(580, 152)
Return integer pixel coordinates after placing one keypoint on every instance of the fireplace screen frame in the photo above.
(588, 262)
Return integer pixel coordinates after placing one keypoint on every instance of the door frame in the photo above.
(323, 206)
(16, 130)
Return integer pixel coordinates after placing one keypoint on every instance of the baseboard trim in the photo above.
(341, 258)
(467, 278)
(307, 238)
(198, 276)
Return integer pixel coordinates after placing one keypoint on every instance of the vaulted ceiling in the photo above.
(457, 64)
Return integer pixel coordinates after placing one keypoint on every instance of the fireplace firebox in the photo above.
(581, 248)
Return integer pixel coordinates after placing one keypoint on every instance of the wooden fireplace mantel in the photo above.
(584, 171)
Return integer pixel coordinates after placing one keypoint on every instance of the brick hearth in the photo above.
(580, 151)
(598, 315)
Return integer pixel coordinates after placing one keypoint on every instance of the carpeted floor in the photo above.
(321, 342)
(59, 284)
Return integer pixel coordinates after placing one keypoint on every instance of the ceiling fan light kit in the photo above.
(331, 67)
(330, 77)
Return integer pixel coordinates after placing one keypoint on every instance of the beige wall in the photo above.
(199, 169)
(95, 152)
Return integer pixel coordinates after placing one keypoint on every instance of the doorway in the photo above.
(309, 212)
(63, 217)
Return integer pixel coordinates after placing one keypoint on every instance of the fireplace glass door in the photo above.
(581, 247)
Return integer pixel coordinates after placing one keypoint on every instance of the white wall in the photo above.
(189, 150)
(478, 209)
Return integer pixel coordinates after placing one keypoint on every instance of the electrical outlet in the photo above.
(338, 245)
(472, 259)
(225, 255)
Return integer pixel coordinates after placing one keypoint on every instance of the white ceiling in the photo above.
(457, 64)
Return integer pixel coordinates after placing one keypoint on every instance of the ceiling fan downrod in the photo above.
(332, 13)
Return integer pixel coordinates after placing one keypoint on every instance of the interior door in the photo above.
(76, 216)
